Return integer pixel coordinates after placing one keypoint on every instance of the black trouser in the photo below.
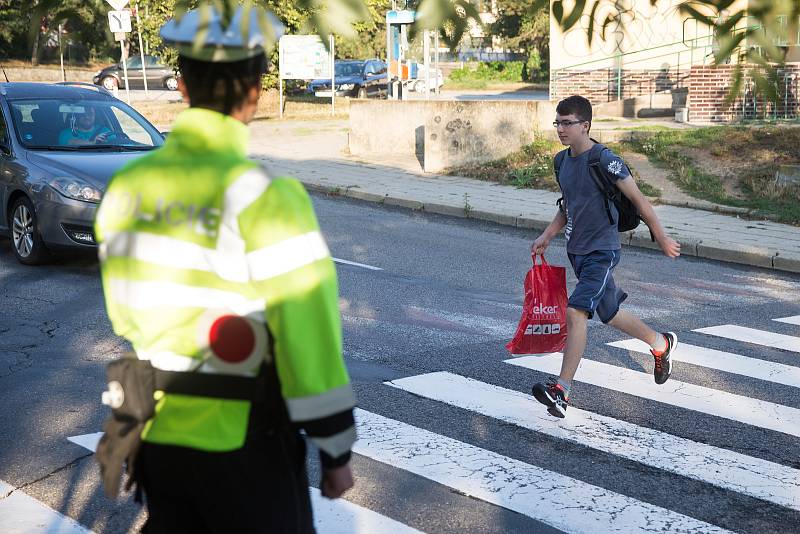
(262, 487)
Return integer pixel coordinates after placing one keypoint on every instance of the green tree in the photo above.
(528, 30)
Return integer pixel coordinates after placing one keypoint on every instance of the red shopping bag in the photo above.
(543, 326)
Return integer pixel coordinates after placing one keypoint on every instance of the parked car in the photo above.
(419, 84)
(59, 145)
(158, 76)
(355, 78)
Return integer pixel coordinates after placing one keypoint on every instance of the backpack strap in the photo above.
(598, 177)
(558, 162)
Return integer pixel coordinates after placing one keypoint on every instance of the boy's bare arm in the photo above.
(552, 230)
(669, 246)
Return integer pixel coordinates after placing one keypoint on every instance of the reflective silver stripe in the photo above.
(322, 405)
(169, 361)
(230, 244)
(156, 294)
(287, 256)
(337, 444)
(226, 260)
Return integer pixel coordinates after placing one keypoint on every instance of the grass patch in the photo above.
(731, 165)
(532, 167)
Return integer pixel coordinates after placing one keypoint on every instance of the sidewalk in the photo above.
(315, 153)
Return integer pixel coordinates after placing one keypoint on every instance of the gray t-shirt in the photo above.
(587, 226)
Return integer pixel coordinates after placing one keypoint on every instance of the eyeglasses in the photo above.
(565, 124)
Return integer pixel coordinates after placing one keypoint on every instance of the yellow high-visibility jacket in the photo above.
(200, 249)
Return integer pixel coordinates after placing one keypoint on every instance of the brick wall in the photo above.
(709, 86)
(600, 85)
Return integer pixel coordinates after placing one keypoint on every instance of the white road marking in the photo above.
(720, 467)
(557, 500)
(343, 517)
(330, 516)
(87, 441)
(751, 335)
(795, 319)
(750, 411)
(347, 262)
(723, 361)
(22, 514)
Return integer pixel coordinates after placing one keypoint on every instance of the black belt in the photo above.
(232, 387)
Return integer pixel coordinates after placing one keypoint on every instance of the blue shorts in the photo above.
(596, 290)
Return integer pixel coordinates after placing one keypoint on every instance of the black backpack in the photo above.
(629, 218)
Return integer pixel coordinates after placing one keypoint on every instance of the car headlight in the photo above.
(76, 189)
(346, 86)
(98, 73)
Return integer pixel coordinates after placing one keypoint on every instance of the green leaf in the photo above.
(558, 11)
(590, 30)
(575, 15)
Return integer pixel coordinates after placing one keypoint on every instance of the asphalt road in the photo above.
(446, 300)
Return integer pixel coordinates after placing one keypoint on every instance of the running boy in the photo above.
(593, 248)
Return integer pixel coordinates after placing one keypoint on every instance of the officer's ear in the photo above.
(182, 88)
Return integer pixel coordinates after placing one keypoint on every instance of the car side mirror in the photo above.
(164, 134)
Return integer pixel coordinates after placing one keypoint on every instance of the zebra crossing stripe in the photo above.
(719, 467)
(330, 516)
(751, 335)
(557, 500)
(21, 514)
(746, 410)
(343, 517)
(795, 319)
(723, 361)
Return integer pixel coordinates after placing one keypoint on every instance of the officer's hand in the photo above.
(336, 481)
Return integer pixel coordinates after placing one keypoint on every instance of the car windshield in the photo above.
(348, 69)
(58, 124)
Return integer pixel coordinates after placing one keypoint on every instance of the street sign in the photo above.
(119, 21)
(303, 57)
(118, 4)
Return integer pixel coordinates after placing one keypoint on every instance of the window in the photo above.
(135, 63)
(132, 129)
(151, 61)
(68, 124)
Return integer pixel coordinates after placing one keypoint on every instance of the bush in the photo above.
(489, 71)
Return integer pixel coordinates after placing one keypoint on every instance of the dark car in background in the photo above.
(355, 78)
(158, 76)
(59, 146)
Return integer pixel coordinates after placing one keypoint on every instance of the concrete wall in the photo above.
(444, 134)
(459, 133)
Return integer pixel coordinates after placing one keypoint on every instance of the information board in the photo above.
(303, 57)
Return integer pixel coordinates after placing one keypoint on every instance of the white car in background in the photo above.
(419, 84)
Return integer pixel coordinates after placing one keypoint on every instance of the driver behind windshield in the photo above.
(82, 130)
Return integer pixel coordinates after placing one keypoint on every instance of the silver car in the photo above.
(59, 145)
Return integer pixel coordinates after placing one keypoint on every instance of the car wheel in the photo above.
(171, 83)
(362, 92)
(109, 83)
(27, 243)
(419, 86)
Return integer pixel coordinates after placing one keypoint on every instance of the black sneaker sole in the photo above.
(552, 406)
(543, 397)
(669, 361)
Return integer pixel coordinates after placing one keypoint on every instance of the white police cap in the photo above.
(222, 44)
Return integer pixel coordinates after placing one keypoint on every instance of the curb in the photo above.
(738, 254)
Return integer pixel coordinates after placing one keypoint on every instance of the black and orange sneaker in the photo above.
(552, 395)
(663, 361)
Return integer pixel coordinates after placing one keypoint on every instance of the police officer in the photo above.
(217, 274)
